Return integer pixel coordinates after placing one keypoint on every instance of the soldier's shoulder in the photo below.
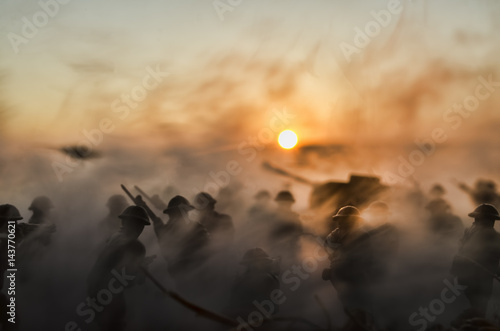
(486, 234)
(120, 242)
(332, 237)
(197, 225)
(454, 218)
(199, 228)
(497, 234)
(223, 217)
(260, 278)
(26, 226)
(383, 230)
(332, 233)
(134, 247)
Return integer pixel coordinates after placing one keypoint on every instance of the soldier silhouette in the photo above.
(230, 199)
(7, 213)
(40, 207)
(476, 263)
(377, 214)
(256, 226)
(255, 284)
(183, 243)
(39, 229)
(285, 229)
(38, 234)
(111, 223)
(168, 193)
(442, 222)
(484, 191)
(351, 261)
(437, 191)
(262, 207)
(384, 238)
(122, 257)
(158, 202)
(220, 226)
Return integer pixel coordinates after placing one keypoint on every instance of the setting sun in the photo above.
(287, 139)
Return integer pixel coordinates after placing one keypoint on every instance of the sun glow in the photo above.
(287, 139)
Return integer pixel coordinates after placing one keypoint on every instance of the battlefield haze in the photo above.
(145, 186)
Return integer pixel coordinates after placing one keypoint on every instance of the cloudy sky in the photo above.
(174, 92)
(263, 55)
(202, 77)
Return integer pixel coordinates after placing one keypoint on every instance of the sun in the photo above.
(287, 139)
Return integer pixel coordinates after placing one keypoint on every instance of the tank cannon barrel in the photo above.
(359, 190)
(279, 171)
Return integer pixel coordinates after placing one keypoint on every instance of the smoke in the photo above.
(221, 93)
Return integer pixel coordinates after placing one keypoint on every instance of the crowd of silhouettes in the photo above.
(362, 244)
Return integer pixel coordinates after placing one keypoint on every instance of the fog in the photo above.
(223, 91)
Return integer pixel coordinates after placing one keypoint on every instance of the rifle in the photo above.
(216, 317)
(155, 199)
(141, 203)
(461, 185)
(191, 306)
(482, 267)
(142, 193)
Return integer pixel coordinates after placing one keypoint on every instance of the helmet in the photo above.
(263, 194)
(203, 199)
(485, 210)
(255, 255)
(117, 201)
(378, 208)
(347, 211)
(483, 184)
(137, 213)
(437, 205)
(284, 196)
(178, 203)
(169, 191)
(9, 213)
(438, 189)
(41, 203)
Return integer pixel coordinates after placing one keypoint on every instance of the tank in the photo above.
(359, 191)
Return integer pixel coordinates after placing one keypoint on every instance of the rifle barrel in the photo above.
(143, 204)
(129, 194)
(141, 192)
(199, 310)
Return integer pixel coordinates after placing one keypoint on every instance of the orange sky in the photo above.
(261, 57)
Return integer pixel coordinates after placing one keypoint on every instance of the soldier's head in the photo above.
(348, 218)
(377, 212)
(134, 218)
(178, 206)
(285, 199)
(41, 206)
(169, 192)
(263, 196)
(486, 185)
(485, 215)
(486, 191)
(117, 204)
(437, 191)
(257, 258)
(8, 213)
(438, 207)
(204, 201)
